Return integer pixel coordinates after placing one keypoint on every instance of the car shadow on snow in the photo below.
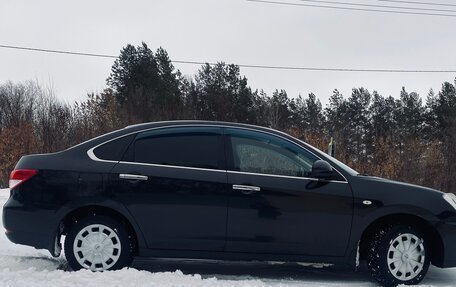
(255, 270)
(278, 272)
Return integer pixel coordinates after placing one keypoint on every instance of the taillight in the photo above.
(19, 176)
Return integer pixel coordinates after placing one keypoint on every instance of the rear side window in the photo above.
(186, 147)
(113, 150)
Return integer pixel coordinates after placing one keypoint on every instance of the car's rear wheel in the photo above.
(98, 243)
(398, 254)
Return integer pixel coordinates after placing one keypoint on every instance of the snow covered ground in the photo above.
(25, 266)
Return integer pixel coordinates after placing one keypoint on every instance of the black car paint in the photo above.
(292, 215)
(291, 219)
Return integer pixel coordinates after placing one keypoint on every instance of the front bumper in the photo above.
(447, 232)
(29, 225)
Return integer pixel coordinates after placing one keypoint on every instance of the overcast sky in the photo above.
(234, 31)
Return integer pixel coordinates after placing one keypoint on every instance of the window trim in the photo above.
(92, 156)
(172, 166)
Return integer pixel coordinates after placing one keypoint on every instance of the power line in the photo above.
(378, 6)
(353, 9)
(56, 51)
(240, 65)
(420, 3)
(83, 54)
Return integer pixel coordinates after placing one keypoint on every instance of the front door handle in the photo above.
(247, 189)
(132, 176)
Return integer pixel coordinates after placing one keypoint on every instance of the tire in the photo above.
(98, 243)
(398, 254)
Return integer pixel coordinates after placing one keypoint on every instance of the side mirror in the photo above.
(322, 169)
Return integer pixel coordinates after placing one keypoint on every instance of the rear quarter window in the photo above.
(115, 149)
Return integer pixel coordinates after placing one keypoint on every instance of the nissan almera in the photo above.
(225, 191)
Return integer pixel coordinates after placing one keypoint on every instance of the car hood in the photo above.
(398, 196)
(397, 184)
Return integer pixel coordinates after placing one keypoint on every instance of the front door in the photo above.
(276, 207)
(173, 181)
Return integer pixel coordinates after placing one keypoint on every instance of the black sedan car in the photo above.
(227, 191)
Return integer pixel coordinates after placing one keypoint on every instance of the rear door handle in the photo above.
(247, 189)
(133, 176)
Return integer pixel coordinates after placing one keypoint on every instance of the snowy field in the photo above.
(25, 266)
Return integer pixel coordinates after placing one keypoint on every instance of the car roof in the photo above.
(144, 126)
(193, 122)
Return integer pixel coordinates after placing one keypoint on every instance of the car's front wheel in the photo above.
(98, 243)
(398, 254)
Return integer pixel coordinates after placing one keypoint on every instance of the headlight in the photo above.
(450, 198)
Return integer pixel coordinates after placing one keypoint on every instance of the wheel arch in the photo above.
(72, 217)
(435, 244)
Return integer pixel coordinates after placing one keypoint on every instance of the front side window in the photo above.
(258, 152)
(187, 147)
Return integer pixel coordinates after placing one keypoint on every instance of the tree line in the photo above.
(406, 138)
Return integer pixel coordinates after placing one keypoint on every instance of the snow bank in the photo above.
(124, 278)
(25, 266)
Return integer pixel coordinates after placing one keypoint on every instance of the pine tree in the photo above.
(146, 84)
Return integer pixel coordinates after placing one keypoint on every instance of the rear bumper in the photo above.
(29, 225)
(39, 241)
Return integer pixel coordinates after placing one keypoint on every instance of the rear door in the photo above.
(173, 181)
(277, 207)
